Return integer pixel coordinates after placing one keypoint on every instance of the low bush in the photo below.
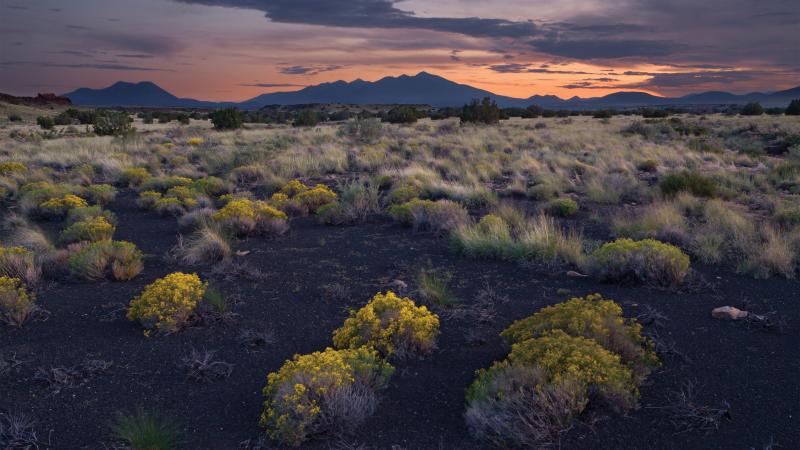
(166, 305)
(562, 207)
(691, 182)
(92, 229)
(100, 194)
(591, 317)
(16, 304)
(648, 261)
(58, 207)
(12, 167)
(90, 212)
(244, 216)
(113, 124)
(313, 198)
(133, 176)
(331, 391)
(94, 261)
(392, 325)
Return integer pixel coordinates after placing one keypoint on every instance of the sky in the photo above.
(237, 49)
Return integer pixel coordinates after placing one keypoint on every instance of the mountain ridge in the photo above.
(422, 88)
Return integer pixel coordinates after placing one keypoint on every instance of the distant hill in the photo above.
(422, 88)
(39, 100)
(145, 94)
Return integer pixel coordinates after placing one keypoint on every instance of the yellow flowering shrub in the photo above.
(59, 206)
(577, 358)
(591, 317)
(293, 188)
(91, 229)
(301, 397)
(101, 194)
(16, 305)
(245, 216)
(313, 198)
(648, 261)
(9, 167)
(166, 304)
(148, 199)
(390, 324)
(195, 141)
(279, 200)
(133, 176)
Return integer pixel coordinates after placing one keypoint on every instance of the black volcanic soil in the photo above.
(756, 371)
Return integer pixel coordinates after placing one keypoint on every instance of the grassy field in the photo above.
(149, 283)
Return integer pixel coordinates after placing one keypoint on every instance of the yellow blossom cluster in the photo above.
(391, 325)
(570, 349)
(167, 303)
(60, 205)
(15, 302)
(296, 394)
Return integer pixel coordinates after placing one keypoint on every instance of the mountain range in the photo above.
(422, 88)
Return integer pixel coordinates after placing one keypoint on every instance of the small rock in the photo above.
(572, 273)
(728, 313)
(400, 285)
(242, 252)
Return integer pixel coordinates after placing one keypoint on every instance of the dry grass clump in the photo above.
(537, 239)
(207, 245)
(439, 216)
(356, 202)
(21, 263)
(96, 261)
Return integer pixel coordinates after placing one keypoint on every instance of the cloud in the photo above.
(134, 55)
(526, 68)
(272, 85)
(689, 79)
(307, 70)
(454, 55)
(373, 14)
(607, 48)
(138, 43)
(105, 66)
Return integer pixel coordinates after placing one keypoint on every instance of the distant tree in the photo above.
(402, 114)
(45, 122)
(227, 119)
(112, 123)
(183, 119)
(484, 111)
(752, 109)
(603, 114)
(535, 111)
(306, 118)
(794, 108)
(13, 117)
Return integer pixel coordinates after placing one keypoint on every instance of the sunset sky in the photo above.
(237, 49)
